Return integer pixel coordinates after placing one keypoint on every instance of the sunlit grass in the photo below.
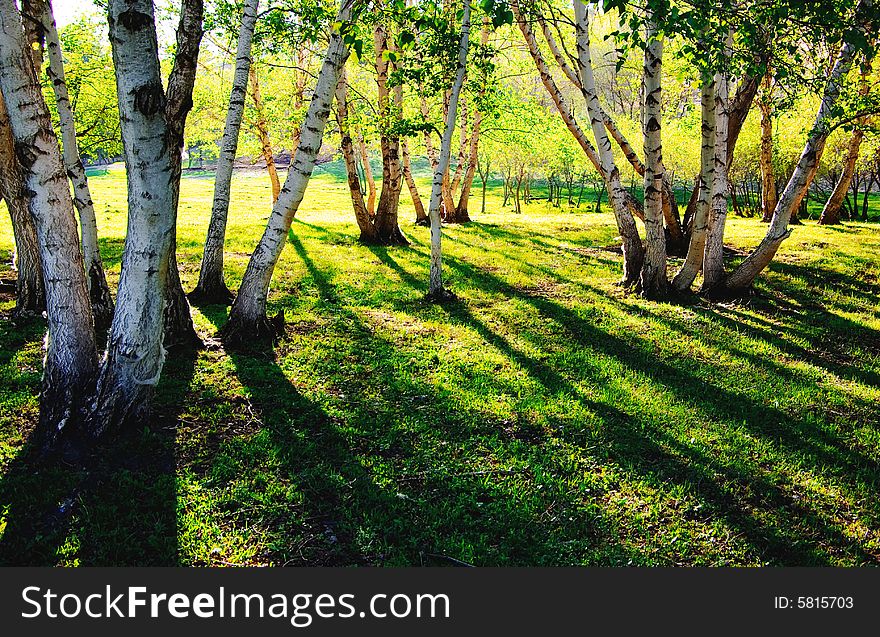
(545, 418)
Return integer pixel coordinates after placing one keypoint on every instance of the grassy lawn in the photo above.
(545, 418)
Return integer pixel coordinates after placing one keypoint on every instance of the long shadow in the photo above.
(817, 448)
(115, 506)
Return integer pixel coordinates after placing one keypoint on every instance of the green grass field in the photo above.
(545, 418)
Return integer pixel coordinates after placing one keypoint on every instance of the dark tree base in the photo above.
(246, 335)
(213, 295)
(442, 296)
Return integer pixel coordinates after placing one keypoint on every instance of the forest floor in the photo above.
(544, 418)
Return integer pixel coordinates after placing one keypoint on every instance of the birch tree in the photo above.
(211, 287)
(744, 275)
(247, 319)
(693, 262)
(30, 296)
(713, 256)
(99, 292)
(436, 290)
(633, 253)
(70, 364)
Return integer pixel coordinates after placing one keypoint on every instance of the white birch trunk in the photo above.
(436, 290)
(652, 280)
(744, 275)
(211, 287)
(30, 296)
(135, 353)
(247, 319)
(693, 262)
(99, 292)
(713, 254)
(632, 245)
(71, 357)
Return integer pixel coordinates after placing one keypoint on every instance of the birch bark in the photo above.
(211, 287)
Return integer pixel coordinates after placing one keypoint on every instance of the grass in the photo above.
(545, 418)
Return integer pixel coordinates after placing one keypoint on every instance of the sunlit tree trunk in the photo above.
(262, 126)
(652, 280)
(369, 235)
(421, 214)
(211, 287)
(436, 290)
(368, 176)
(797, 185)
(633, 253)
(693, 262)
(71, 360)
(768, 178)
(390, 106)
(831, 212)
(99, 292)
(135, 352)
(30, 296)
(713, 254)
(247, 319)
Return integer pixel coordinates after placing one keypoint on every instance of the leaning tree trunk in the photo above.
(71, 359)
(369, 236)
(135, 352)
(831, 212)
(390, 107)
(652, 280)
(676, 237)
(30, 295)
(743, 277)
(99, 292)
(693, 262)
(436, 290)
(262, 126)
(211, 287)
(633, 253)
(713, 254)
(421, 215)
(247, 319)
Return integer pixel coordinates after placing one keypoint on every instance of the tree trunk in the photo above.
(390, 107)
(71, 358)
(211, 287)
(831, 212)
(670, 210)
(368, 177)
(247, 319)
(369, 236)
(262, 126)
(30, 295)
(135, 352)
(633, 252)
(693, 262)
(768, 179)
(436, 290)
(652, 280)
(797, 185)
(713, 256)
(421, 215)
(179, 329)
(99, 292)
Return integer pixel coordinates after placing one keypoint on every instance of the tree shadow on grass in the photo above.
(766, 511)
(115, 506)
